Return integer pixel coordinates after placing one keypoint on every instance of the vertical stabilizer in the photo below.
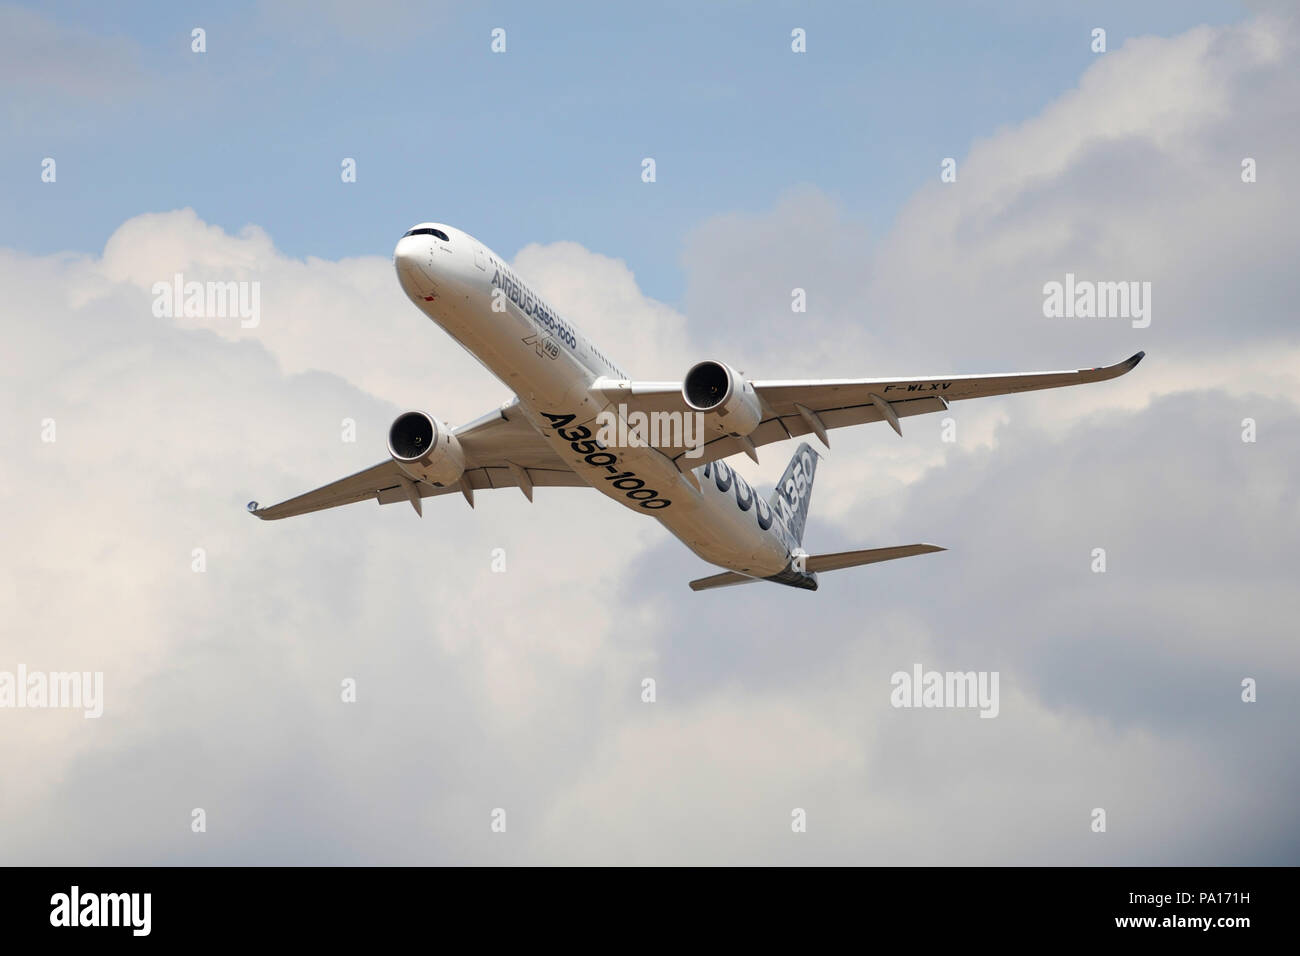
(792, 494)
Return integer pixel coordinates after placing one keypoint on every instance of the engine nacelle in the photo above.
(729, 403)
(426, 449)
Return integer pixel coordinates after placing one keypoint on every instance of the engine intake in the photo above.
(426, 449)
(728, 402)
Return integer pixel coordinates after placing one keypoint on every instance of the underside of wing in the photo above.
(794, 408)
(502, 450)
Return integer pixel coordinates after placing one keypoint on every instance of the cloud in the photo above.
(164, 428)
(1134, 175)
(521, 690)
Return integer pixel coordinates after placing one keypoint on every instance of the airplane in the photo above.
(569, 399)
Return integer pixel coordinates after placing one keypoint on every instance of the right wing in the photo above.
(792, 408)
(501, 451)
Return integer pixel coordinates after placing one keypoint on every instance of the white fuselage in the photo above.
(481, 303)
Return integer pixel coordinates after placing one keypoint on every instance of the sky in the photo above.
(539, 144)
(136, 438)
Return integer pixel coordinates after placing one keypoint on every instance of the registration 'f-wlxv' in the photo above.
(565, 388)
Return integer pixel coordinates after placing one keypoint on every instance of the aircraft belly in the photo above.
(718, 532)
(709, 522)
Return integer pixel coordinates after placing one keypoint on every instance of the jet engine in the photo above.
(426, 449)
(728, 402)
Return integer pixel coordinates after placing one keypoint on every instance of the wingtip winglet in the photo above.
(1119, 368)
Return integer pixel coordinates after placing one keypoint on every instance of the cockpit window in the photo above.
(428, 232)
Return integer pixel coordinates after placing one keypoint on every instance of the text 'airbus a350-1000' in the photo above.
(579, 420)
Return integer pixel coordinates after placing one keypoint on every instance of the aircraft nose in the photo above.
(412, 260)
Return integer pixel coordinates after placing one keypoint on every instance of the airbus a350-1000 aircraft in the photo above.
(566, 389)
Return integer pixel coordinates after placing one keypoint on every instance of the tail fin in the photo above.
(794, 491)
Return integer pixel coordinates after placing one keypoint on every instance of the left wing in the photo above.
(501, 449)
(794, 408)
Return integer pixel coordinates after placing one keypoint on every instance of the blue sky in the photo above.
(538, 144)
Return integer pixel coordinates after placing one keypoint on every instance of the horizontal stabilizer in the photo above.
(724, 580)
(816, 563)
(851, 559)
